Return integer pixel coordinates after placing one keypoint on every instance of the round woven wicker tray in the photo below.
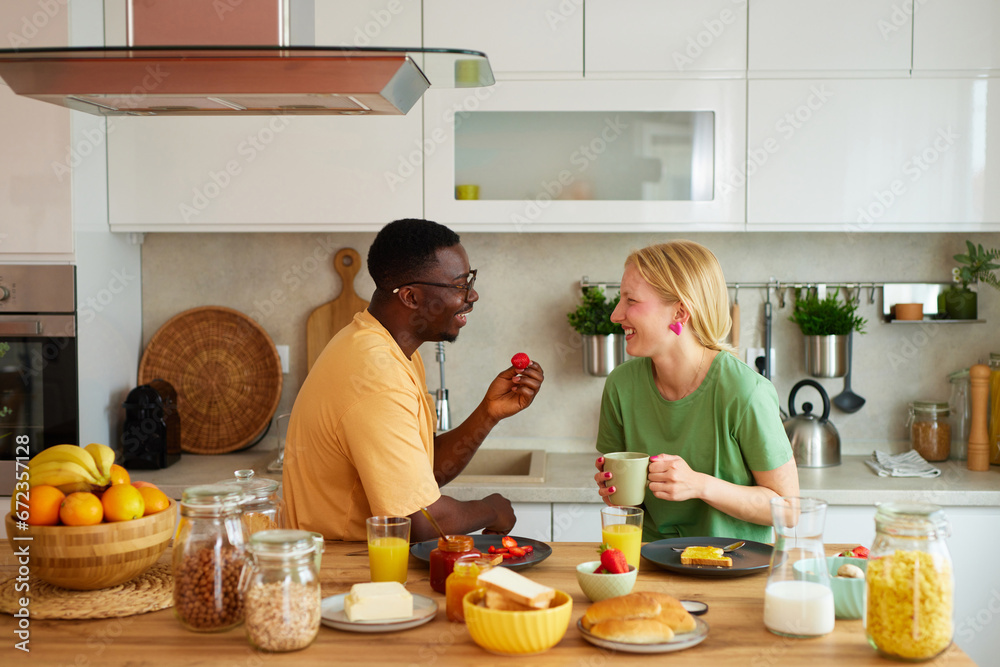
(226, 372)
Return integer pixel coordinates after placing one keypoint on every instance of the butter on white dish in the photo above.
(378, 601)
(514, 588)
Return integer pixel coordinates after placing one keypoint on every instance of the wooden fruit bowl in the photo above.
(86, 558)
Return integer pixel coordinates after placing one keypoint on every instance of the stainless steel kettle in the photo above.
(815, 441)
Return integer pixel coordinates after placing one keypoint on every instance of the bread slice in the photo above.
(517, 588)
(631, 606)
(705, 556)
(494, 599)
(672, 613)
(633, 631)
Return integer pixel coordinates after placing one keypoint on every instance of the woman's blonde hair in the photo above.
(688, 272)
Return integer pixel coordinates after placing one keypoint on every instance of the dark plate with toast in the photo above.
(540, 550)
(751, 558)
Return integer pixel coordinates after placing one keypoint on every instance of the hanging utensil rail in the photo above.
(778, 286)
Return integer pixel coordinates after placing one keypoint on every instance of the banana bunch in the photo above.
(70, 468)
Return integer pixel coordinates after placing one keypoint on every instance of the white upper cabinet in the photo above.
(521, 38)
(283, 173)
(36, 220)
(672, 37)
(588, 155)
(873, 155)
(833, 35)
(957, 35)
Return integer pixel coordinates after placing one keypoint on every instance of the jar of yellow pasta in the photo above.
(910, 583)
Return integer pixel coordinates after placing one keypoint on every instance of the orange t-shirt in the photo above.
(360, 440)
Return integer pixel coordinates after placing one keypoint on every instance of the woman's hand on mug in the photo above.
(671, 478)
(603, 479)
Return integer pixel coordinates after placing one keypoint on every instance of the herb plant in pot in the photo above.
(960, 302)
(603, 340)
(826, 324)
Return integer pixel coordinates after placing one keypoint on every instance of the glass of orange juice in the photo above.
(621, 528)
(388, 547)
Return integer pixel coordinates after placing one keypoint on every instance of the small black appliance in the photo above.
(151, 437)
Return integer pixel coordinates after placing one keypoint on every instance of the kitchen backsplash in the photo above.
(528, 283)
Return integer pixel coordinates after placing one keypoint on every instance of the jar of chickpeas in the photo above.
(929, 426)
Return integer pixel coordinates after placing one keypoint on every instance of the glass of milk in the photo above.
(798, 601)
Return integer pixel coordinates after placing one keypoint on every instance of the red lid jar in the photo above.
(449, 549)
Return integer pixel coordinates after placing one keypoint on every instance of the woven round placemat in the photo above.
(150, 591)
(226, 372)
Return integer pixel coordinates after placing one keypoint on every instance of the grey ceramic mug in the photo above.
(629, 472)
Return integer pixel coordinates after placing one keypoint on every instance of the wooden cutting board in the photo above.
(334, 315)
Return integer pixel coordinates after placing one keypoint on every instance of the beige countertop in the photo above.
(569, 479)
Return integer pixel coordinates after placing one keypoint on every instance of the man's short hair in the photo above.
(404, 249)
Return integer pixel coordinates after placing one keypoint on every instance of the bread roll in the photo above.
(633, 631)
(633, 605)
(672, 612)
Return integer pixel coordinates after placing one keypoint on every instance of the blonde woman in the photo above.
(711, 424)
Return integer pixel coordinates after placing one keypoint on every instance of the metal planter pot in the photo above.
(601, 354)
(826, 356)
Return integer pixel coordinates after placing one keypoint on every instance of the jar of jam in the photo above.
(449, 550)
(930, 430)
(463, 579)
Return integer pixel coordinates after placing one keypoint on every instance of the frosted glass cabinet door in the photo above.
(521, 38)
(957, 35)
(665, 36)
(873, 155)
(595, 155)
(855, 35)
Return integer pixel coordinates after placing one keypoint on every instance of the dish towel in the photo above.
(909, 464)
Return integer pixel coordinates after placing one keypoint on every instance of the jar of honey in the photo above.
(463, 579)
(449, 550)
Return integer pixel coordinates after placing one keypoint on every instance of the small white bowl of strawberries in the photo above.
(606, 578)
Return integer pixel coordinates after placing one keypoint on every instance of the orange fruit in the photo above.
(140, 484)
(43, 505)
(119, 475)
(154, 499)
(81, 509)
(122, 502)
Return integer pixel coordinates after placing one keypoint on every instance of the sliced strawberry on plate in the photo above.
(509, 541)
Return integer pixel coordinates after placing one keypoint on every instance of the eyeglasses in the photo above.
(470, 280)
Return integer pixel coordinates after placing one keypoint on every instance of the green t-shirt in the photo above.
(727, 427)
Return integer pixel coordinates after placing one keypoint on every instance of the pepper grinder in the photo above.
(979, 440)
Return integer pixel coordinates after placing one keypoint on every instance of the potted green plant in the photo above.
(826, 324)
(960, 302)
(603, 340)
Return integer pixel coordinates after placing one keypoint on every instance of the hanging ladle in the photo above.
(847, 400)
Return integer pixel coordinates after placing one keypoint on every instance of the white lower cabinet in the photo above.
(576, 522)
(873, 155)
(534, 521)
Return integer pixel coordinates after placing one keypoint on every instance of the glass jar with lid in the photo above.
(282, 597)
(961, 410)
(929, 426)
(208, 556)
(463, 579)
(262, 504)
(994, 398)
(442, 559)
(910, 583)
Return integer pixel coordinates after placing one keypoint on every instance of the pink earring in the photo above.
(676, 327)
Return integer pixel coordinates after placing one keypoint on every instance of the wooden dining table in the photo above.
(736, 634)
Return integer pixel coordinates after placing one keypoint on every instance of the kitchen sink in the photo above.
(502, 466)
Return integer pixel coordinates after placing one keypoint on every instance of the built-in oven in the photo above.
(39, 403)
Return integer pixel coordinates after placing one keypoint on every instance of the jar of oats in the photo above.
(262, 504)
(281, 590)
(910, 585)
(929, 426)
(208, 554)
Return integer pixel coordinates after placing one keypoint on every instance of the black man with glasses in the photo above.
(361, 441)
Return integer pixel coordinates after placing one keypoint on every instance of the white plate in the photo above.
(678, 643)
(424, 610)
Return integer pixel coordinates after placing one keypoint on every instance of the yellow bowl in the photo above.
(86, 558)
(517, 632)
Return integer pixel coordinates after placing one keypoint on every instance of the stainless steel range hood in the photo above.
(165, 71)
